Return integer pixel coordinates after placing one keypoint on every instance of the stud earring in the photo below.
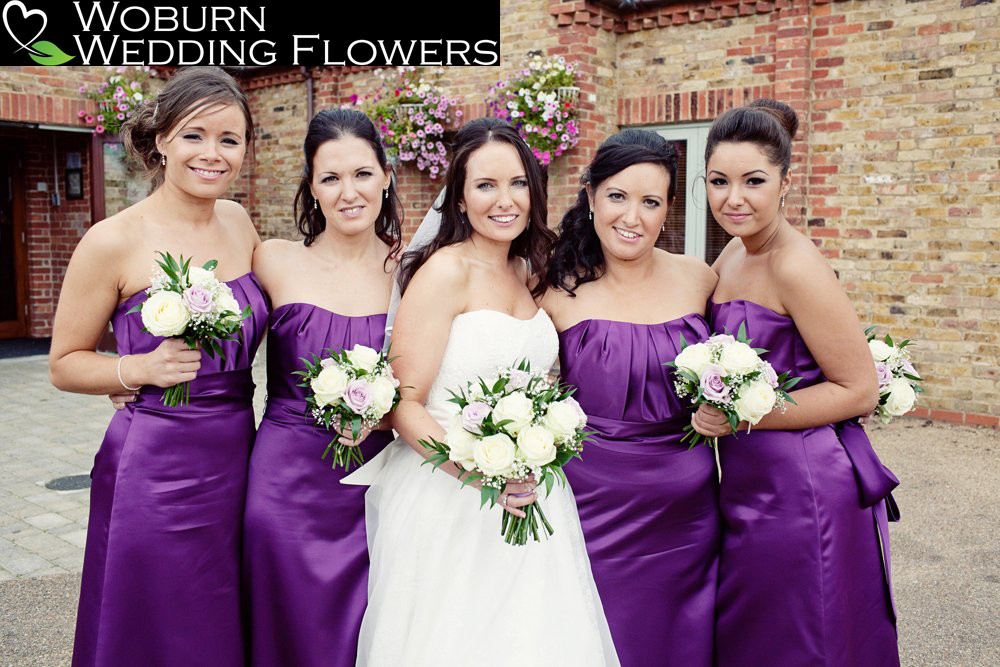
(782, 203)
(163, 160)
(663, 227)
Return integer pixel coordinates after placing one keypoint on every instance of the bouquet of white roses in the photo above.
(352, 389)
(513, 426)
(897, 378)
(727, 373)
(191, 303)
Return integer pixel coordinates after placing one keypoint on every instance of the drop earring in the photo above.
(315, 204)
(590, 216)
(782, 203)
(385, 193)
(163, 160)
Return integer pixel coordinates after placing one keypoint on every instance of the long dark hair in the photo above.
(189, 89)
(328, 125)
(578, 257)
(533, 244)
(767, 123)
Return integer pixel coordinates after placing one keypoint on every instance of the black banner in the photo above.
(267, 32)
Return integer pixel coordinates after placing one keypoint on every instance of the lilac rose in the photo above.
(473, 415)
(884, 374)
(909, 369)
(725, 339)
(518, 379)
(198, 299)
(770, 376)
(713, 387)
(358, 395)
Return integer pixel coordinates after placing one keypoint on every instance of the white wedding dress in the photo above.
(444, 589)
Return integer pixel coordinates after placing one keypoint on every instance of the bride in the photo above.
(444, 588)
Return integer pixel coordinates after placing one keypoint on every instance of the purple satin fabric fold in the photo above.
(161, 568)
(305, 549)
(648, 504)
(804, 576)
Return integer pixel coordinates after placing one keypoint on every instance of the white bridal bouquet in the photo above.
(352, 389)
(513, 426)
(191, 303)
(727, 373)
(897, 378)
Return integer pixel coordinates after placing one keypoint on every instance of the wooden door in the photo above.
(13, 243)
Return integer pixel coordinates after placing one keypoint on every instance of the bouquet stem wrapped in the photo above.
(353, 389)
(727, 373)
(191, 303)
(513, 427)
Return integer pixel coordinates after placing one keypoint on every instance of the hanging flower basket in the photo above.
(411, 113)
(116, 98)
(540, 100)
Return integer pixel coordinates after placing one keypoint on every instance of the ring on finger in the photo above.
(503, 500)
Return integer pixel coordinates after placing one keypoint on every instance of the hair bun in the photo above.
(781, 112)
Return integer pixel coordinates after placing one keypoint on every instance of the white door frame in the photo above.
(695, 134)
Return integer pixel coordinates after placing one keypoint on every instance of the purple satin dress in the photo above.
(804, 577)
(648, 504)
(161, 580)
(305, 552)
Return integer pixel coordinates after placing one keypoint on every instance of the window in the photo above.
(690, 227)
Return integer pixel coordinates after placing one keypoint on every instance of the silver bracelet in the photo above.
(119, 369)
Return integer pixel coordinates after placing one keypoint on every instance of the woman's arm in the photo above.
(89, 296)
(826, 320)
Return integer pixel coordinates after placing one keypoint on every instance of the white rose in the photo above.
(880, 350)
(695, 357)
(755, 401)
(226, 302)
(537, 445)
(738, 358)
(329, 385)
(201, 277)
(383, 393)
(494, 455)
(518, 408)
(363, 357)
(901, 397)
(164, 314)
(461, 444)
(563, 418)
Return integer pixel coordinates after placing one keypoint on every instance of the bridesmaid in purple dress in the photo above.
(648, 505)
(305, 549)
(161, 567)
(804, 571)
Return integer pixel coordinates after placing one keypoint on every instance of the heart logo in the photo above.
(25, 14)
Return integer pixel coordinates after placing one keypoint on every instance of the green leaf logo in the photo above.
(52, 54)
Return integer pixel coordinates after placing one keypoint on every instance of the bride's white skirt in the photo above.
(444, 589)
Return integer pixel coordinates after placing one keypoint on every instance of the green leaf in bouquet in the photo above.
(741, 334)
(549, 481)
(355, 427)
(788, 384)
(490, 495)
(870, 333)
(917, 389)
(684, 342)
(499, 385)
(734, 421)
(759, 350)
(134, 309)
(888, 340)
(210, 265)
(913, 378)
(689, 375)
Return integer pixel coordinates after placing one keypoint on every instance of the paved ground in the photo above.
(946, 551)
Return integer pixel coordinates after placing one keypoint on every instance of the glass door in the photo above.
(690, 227)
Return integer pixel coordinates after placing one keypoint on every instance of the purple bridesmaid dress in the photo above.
(161, 580)
(305, 553)
(804, 574)
(648, 504)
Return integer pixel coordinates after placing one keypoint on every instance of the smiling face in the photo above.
(496, 197)
(629, 209)
(744, 188)
(205, 150)
(349, 184)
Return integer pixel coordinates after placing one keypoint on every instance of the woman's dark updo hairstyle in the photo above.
(191, 89)
(578, 258)
(769, 124)
(328, 125)
(532, 245)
